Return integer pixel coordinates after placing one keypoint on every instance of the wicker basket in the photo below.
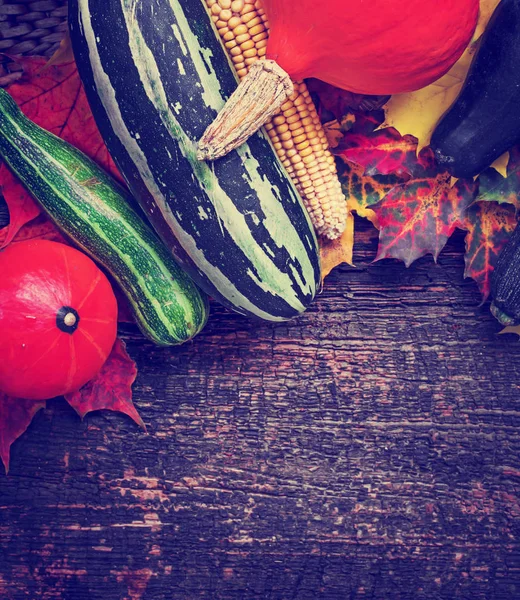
(34, 27)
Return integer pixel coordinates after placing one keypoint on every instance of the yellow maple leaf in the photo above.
(417, 113)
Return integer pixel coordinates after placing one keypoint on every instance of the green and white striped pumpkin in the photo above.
(156, 75)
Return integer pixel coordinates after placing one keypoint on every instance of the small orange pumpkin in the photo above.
(58, 319)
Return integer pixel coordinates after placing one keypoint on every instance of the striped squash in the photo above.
(156, 75)
(96, 213)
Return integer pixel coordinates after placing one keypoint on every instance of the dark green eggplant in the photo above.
(505, 283)
(484, 121)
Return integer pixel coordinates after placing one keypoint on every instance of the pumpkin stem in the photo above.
(258, 97)
(67, 319)
(70, 319)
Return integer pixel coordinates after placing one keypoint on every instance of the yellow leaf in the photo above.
(512, 329)
(334, 134)
(63, 54)
(336, 130)
(417, 113)
(362, 211)
(339, 251)
(501, 163)
(487, 7)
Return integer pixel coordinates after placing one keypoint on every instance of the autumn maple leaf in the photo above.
(111, 389)
(489, 226)
(361, 191)
(418, 217)
(491, 220)
(15, 416)
(337, 252)
(364, 191)
(382, 152)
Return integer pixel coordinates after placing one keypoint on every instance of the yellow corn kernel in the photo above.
(296, 132)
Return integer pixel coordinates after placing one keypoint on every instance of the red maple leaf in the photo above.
(382, 152)
(15, 416)
(111, 389)
(418, 217)
(339, 102)
(40, 228)
(489, 226)
(22, 207)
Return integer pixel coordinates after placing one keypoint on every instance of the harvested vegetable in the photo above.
(296, 131)
(484, 122)
(378, 47)
(96, 213)
(238, 225)
(58, 317)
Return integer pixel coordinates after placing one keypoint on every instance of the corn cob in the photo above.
(296, 131)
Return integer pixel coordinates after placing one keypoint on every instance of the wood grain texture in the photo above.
(367, 450)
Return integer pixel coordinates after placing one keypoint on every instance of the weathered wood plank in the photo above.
(367, 450)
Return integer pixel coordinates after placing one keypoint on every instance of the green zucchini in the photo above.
(156, 75)
(95, 212)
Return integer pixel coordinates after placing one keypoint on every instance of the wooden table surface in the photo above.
(369, 449)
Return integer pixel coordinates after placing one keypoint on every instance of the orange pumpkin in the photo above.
(370, 46)
(58, 319)
(376, 47)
